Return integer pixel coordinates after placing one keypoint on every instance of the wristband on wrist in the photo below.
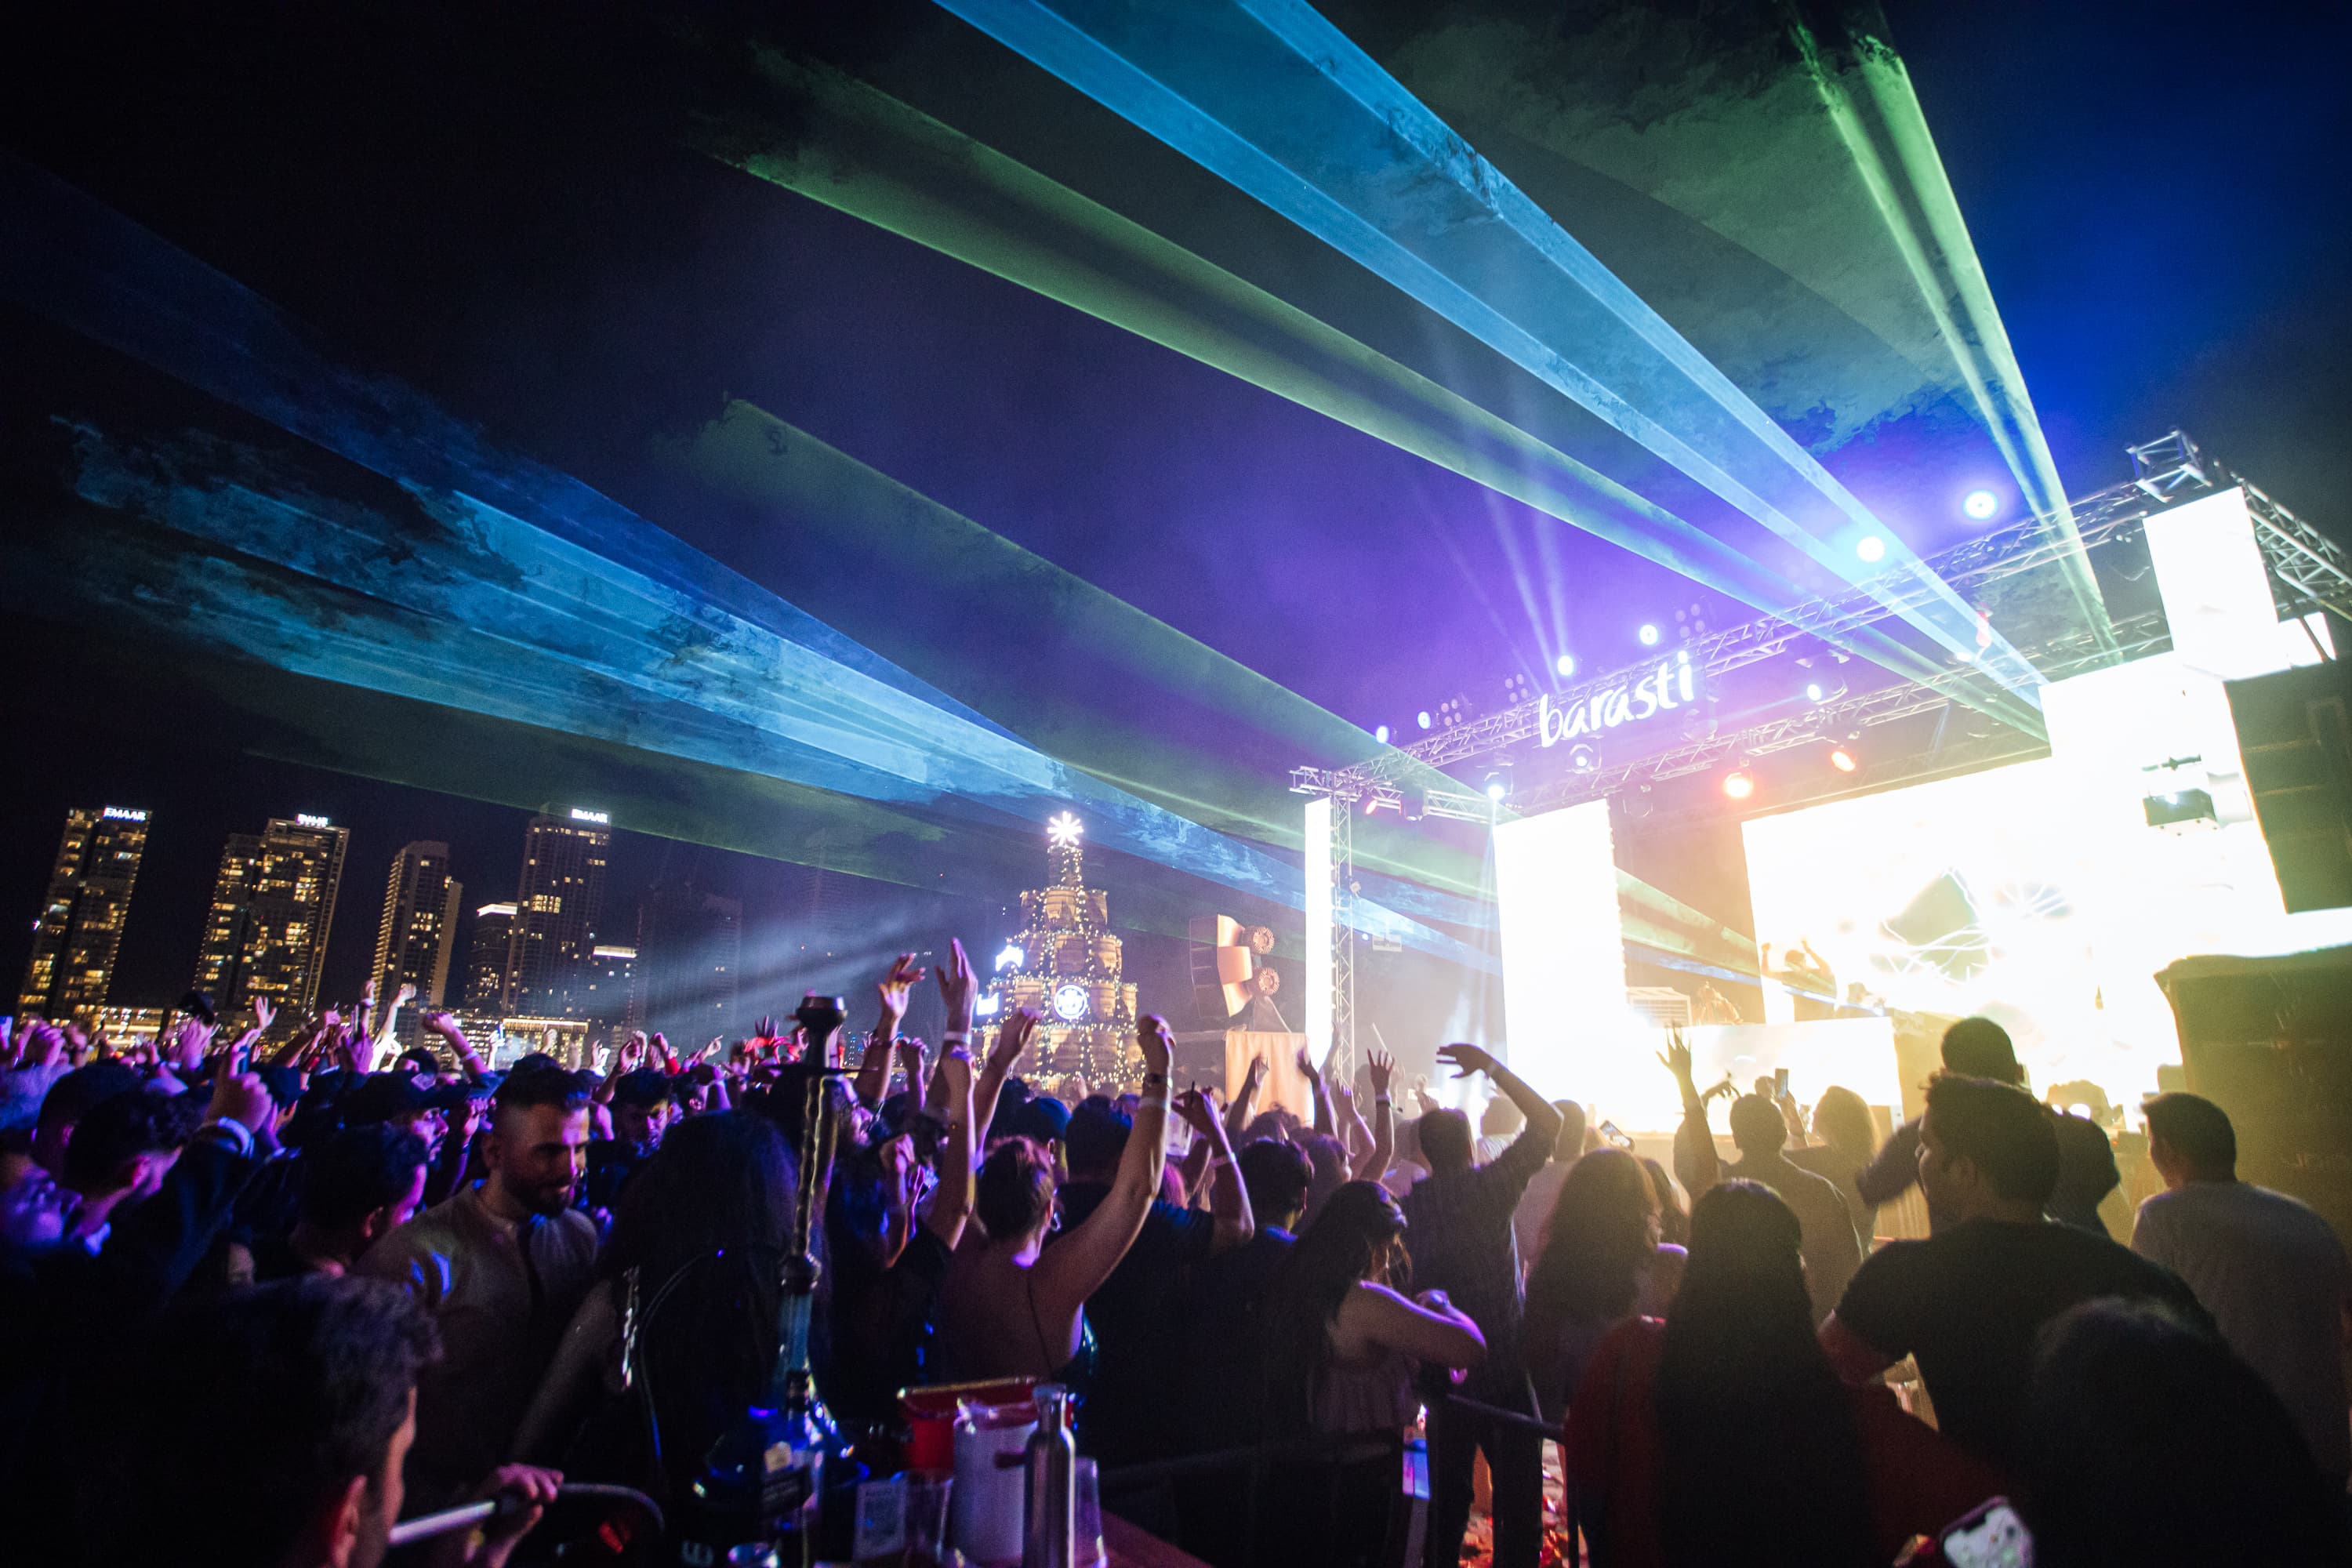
(1155, 1079)
(956, 1037)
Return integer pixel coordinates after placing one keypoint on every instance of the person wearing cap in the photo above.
(402, 1100)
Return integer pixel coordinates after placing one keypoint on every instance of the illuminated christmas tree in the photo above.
(1064, 964)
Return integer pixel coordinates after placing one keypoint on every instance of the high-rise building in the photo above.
(80, 924)
(690, 961)
(273, 904)
(489, 959)
(419, 927)
(556, 910)
(611, 993)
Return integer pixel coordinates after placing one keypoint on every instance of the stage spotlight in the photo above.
(1980, 505)
(1380, 733)
(1565, 664)
(1870, 547)
(1740, 784)
(1813, 691)
(1648, 636)
(1842, 760)
(1584, 757)
(1421, 718)
(1497, 789)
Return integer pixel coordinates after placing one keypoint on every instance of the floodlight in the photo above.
(1870, 547)
(1421, 718)
(1648, 636)
(1842, 760)
(1740, 784)
(1980, 505)
(1380, 733)
(1813, 691)
(1565, 664)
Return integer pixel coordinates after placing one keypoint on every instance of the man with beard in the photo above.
(500, 1266)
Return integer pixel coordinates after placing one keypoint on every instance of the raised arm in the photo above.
(1012, 1034)
(951, 1205)
(1228, 1199)
(1381, 1068)
(1314, 1075)
(1075, 1267)
(1237, 1114)
(1696, 1166)
(383, 1039)
(873, 1080)
(1532, 1149)
(1430, 1329)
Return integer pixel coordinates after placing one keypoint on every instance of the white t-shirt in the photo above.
(2273, 1274)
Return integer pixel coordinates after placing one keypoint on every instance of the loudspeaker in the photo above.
(2269, 1040)
(2294, 730)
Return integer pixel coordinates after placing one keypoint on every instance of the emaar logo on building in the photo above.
(601, 818)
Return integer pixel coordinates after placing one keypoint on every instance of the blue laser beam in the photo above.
(1271, 96)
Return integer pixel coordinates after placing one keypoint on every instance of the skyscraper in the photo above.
(612, 991)
(80, 924)
(489, 958)
(556, 910)
(690, 961)
(419, 926)
(273, 904)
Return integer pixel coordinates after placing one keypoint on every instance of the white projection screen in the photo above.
(1563, 948)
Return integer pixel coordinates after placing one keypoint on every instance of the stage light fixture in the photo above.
(1980, 505)
(1870, 547)
(1740, 784)
(1380, 733)
(1842, 760)
(1421, 718)
(1648, 636)
(1584, 757)
(1565, 664)
(1813, 691)
(1497, 789)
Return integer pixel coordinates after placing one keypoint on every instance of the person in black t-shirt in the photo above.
(1968, 1301)
(361, 1184)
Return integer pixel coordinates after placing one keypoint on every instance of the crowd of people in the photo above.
(265, 1298)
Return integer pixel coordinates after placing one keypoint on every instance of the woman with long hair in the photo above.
(1601, 1259)
(1342, 1345)
(1723, 1436)
(1013, 1307)
(1847, 1140)
(695, 1259)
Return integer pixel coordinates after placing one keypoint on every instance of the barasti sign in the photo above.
(1663, 687)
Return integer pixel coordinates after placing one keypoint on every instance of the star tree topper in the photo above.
(1063, 830)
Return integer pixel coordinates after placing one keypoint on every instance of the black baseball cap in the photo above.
(381, 1096)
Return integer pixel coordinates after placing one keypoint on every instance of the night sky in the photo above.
(2158, 200)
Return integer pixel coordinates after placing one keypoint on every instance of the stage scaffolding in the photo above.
(2308, 571)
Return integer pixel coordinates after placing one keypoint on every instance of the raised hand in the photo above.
(1012, 1037)
(633, 1051)
(1198, 1113)
(240, 1097)
(894, 988)
(1380, 1068)
(263, 1014)
(957, 986)
(1158, 1046)
(1677, 1058)
(407, 995)
(1306, 1067)
(1466, 1060)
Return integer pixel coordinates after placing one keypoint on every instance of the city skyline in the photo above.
(78, 931)
(801, 926)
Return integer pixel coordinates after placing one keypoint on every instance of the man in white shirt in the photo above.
(2270, 1269)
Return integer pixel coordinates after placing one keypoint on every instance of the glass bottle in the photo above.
(1050, 1519)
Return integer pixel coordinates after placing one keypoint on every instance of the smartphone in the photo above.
(1615, 1138)
(1989, 1536)
(1780, 1081)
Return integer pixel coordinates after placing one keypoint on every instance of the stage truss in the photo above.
(2309, 571)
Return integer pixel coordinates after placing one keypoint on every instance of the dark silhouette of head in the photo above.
(705, 1222)
(1095, 1139)
(1444, 1141)
(1843, 1121)
(1602, 1230)
(1276, 1175)
(1358, 1237)
(2147, 1441)
(1757, 1128)
(1761, 1443)
(1985, 1144)
(1014, 1193)
(1978, 1047)
(2192, 1133)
